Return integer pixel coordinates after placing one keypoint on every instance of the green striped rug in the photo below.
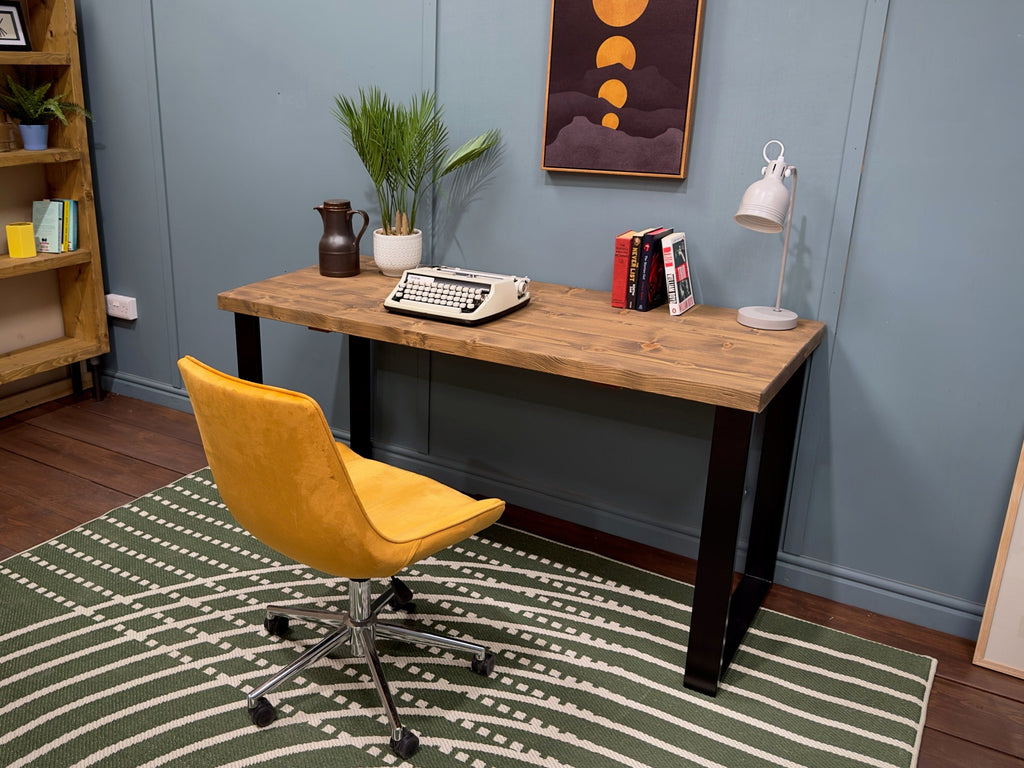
(132, 640)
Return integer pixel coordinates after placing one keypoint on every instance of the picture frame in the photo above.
(13, 31)
(1001, 639)
(622, 82)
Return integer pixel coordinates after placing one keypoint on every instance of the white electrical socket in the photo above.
(123, 307)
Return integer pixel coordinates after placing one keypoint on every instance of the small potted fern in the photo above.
(404, 148)
(33, 107)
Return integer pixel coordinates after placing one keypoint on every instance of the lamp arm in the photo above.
(785, 239)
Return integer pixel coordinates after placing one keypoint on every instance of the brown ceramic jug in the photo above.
(339, 247)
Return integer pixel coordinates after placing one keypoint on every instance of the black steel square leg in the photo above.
(93, 364)
(723, 499)
(721, 616)
(360, 394)
(777, 445)
(247, 347)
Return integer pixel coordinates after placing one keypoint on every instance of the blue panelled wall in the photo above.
(213, 141)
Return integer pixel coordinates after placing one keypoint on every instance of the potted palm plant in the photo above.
(34, 109)
(404, 148)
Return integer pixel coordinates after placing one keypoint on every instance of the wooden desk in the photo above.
(703, 355)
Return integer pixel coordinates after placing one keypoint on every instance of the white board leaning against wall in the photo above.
(1001, 640)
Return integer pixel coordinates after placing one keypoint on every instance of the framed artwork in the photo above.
(13, 33)
(622, 80)
(1001, 640)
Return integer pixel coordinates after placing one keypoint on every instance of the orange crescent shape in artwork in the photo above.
(614, 92)
(616, 50)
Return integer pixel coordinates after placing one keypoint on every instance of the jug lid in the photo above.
(336, 204)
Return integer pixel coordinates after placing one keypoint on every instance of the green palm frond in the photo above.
(470, 151)
(404, 148)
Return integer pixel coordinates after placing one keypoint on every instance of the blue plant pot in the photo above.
(34, 136)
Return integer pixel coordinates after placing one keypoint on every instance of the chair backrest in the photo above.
(278, 470)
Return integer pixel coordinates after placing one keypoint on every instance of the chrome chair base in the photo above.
(359, 627)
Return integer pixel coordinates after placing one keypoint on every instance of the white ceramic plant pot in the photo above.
(393, 254)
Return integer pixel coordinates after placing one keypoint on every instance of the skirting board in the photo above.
(883, 596)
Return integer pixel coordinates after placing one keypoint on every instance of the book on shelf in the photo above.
(635, 248)
(55, 225)
(678, 286)
(650, 286)
(48, 225)
(70, 224)
(66, 223)
(620, 268)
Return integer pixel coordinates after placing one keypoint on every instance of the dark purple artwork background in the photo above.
(650, 136)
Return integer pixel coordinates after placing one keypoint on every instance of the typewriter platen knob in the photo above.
(522, 283)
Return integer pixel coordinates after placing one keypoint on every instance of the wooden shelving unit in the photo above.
(67, 173)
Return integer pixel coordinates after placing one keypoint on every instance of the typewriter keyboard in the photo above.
(456, 295)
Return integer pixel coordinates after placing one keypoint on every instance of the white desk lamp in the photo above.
(765, 206)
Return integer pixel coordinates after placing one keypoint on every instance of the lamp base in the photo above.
(767, 318)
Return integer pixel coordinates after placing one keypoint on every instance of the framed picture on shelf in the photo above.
(13, 32)
(622, 82)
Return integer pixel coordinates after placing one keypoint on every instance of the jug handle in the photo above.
(366, 220)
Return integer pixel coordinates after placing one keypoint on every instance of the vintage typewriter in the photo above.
(457, 295)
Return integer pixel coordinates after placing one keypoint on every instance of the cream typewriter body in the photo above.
(457, 295)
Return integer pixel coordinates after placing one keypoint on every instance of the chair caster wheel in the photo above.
(276, 625)
(406, 746)
(401, 600)
(485, 665)
(263, 714)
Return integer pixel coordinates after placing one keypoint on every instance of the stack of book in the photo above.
(650, 269)
(55, 225)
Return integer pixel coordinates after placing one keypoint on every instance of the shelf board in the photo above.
(30, 398)
(46, 356)
(35, 58)
(39, 156)
(43, 262)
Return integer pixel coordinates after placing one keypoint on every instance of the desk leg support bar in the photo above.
(720, 615)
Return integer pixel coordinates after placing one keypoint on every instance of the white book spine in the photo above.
(670, 277)
(677, 274)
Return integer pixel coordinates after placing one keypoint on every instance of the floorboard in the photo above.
(25, 524)
(151, 417)
(939, 750)
(974, 714)
(53, 488)
(117, 471)
(66, 462)
(94, 428)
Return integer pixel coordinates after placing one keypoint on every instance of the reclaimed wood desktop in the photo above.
(703, 355)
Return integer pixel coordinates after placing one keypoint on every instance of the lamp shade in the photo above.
(764, 205)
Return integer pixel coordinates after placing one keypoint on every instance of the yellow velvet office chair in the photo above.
(285, 480)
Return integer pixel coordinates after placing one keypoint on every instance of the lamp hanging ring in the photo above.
(780, 156)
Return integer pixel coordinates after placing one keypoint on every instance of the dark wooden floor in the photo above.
(66, 462)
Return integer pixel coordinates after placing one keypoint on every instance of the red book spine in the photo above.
(620, 269)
